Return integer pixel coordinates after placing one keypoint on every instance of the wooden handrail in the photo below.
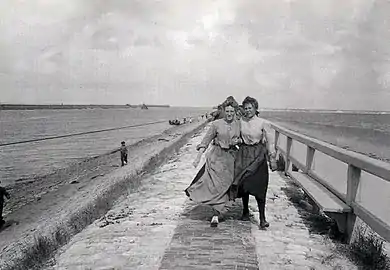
(356, 163)
(370, 165)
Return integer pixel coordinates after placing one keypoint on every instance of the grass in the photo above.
(42, 247)
(316, 222)
(366, 251)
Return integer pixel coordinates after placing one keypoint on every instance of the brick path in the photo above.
(195, 245)
(158, 228)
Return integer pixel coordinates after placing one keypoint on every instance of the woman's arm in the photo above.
(210, 135)
(269, 140)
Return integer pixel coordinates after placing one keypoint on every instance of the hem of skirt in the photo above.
(187, 193)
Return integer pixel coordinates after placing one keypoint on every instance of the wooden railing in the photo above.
(355, 165)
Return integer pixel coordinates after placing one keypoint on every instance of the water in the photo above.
(25, 161)
(366, 133)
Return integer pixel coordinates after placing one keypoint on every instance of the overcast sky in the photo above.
(329, 54)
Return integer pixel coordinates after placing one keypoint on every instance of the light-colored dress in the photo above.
(212, 183)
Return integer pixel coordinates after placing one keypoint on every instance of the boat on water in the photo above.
(144, 107)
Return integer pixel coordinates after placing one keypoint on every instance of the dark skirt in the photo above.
(251, 171)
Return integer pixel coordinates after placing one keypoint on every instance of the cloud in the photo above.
(288, 53)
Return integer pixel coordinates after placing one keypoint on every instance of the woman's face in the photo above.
(229, 113)
(250, 110)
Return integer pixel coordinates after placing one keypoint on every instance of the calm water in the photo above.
(24, 161)
(363, 121)
(368, 134)
(365, 133)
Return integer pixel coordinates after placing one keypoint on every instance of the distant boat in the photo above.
(144, 107)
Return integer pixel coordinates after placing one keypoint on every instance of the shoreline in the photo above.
(11, 107)
(103, 163)
(72, 203)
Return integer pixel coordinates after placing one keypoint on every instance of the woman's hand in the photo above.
(196, 161)
(273, 162)
(236, 141)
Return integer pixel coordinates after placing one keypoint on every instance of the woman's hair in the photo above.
(251, 100)
(230, 101)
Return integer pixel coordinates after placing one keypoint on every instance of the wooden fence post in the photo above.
(288, 150)
(309, 158)
(353, 181)
(276, 138)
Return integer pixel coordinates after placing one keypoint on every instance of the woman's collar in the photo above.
(249, 119)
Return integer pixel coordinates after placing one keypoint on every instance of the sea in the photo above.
(364, 132)
(367, 133)
(23, 162)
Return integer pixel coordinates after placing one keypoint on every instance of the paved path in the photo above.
(195, 245)
(158, 228)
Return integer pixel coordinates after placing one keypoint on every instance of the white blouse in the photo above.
(255, 130)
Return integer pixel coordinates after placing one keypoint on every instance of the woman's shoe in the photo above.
(245, 217)
(221, 218)
(214, 221)
(264, 224)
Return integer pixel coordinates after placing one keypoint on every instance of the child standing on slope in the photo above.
(123, 153)
(3, 193)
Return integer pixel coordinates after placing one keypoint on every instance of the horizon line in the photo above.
(168, 105)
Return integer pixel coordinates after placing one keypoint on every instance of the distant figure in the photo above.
(3, 193)
(123, 153)
(190, 120)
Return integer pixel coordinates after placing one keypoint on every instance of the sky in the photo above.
(286, 53)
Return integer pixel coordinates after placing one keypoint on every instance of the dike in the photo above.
(37, 241)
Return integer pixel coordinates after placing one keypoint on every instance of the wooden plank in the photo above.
(325, 199)
(378, 225)
(321, 181)
(373, 166)
(315, 177)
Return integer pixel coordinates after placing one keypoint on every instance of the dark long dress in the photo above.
(251, 171)
(251, 167)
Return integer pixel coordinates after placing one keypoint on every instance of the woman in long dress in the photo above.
(251, 167)
(212, 184)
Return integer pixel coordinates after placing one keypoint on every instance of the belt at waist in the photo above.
(231, 148)
(226, 149)
(254, 144)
